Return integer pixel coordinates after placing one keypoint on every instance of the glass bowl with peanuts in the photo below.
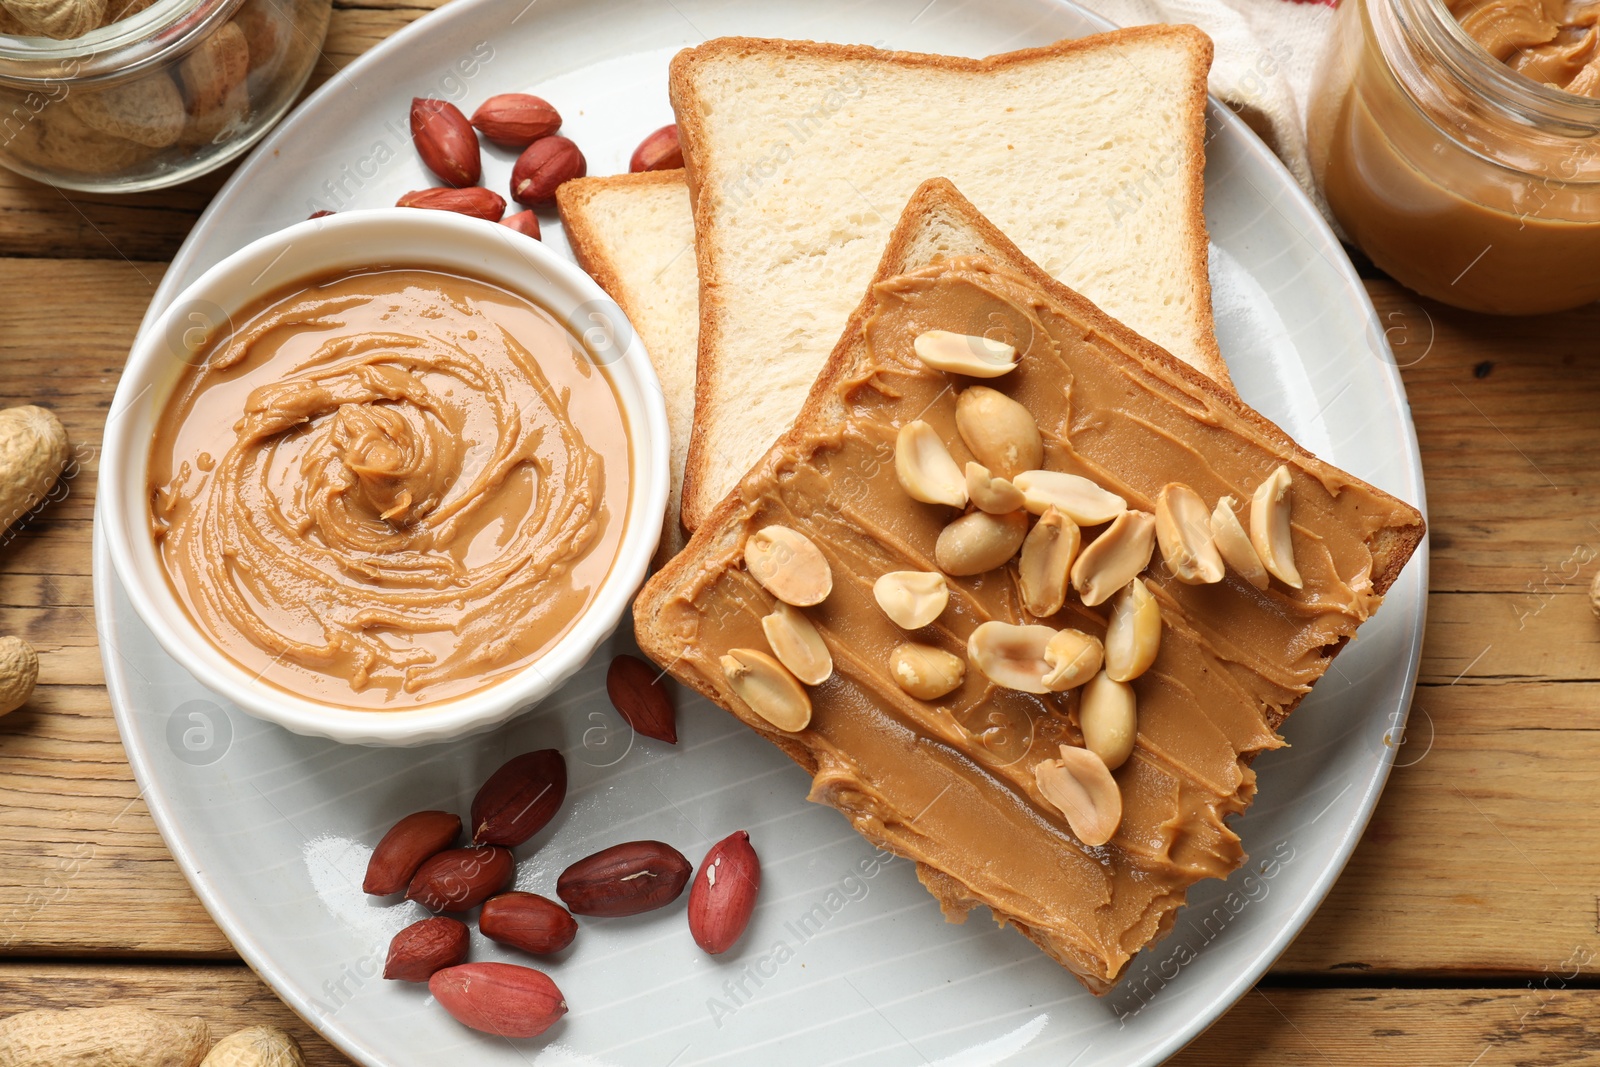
(127, 95)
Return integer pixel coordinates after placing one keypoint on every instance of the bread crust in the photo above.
(574, 196)
(697, 503)
(595, 257)
(1391, 545)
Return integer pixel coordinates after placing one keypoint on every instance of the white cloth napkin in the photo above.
(1266, 51)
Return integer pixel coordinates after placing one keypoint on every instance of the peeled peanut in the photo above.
(925, 468)
(1011, 656)
(768, 688)
(1133, 636)
(797, 644)
(544, 167)
(979, 542)
(789, 565)
(1072, 658)
(1183, 529)
(1269, 528)
(961, 353)
(1233, 544)
(925, 672)
(1076, 497)
(993, 494)
(999, 431)
(1115, 558)
(1107, 716)
(1046, 563)
(911, 599)
(1080, 786)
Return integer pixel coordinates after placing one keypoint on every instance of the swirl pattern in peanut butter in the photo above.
(390, 488)
(1553, 42)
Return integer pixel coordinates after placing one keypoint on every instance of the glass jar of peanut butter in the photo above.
(1457, 147)
(124, 95)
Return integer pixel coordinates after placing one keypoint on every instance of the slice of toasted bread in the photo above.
(1088, 153)
(634, 233)
(914, 776)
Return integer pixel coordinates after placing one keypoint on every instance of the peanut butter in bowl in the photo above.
(389, 488)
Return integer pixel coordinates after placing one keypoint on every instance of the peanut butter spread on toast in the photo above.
(950, 782)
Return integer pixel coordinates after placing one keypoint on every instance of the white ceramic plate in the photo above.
(847, 960)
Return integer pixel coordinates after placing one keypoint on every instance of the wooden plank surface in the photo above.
(1272, 1026)
(1476, 890)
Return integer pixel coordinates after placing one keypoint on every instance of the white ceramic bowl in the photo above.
(397, 237)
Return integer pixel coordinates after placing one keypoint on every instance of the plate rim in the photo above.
(1306, 220)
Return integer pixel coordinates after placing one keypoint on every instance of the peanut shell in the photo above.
(148, 111)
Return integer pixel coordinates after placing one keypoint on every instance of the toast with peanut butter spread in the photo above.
(968, 781)
(1088, 153)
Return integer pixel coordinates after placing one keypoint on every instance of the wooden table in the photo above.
(1466, 929)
